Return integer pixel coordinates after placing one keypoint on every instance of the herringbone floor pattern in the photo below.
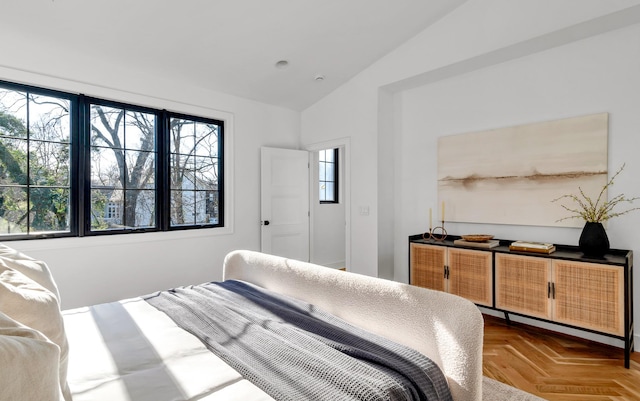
(558, 367)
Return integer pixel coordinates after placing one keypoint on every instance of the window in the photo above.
(35, 163)
(194, 171)
(328, 177)
(75, 166)
(123, 168)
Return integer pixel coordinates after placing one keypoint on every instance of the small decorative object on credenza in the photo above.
(435, 233)
(477, 241)
(537, 247)
(593, 239)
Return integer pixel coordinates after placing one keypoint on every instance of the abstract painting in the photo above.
(511, 175)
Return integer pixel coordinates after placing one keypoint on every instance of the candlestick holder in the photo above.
(436, 233)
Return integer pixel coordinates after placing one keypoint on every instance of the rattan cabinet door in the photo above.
(470, 275)
(523, 285)
(427, 266)
(589, 295)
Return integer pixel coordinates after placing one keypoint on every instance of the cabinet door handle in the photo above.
(553, 290)
(548, 289)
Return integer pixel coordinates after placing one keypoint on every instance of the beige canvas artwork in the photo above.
(511, 175)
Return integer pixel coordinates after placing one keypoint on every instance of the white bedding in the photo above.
(128, 350)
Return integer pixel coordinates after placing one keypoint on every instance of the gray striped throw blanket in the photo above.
(294, 351)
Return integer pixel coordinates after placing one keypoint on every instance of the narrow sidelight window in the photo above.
(328, 178)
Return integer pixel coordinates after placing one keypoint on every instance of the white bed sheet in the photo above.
(130, 351)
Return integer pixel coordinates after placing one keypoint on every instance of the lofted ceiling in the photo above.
(228, 46)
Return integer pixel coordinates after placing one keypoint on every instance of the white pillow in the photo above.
(29, 363)
(36, 270)
(35, 306)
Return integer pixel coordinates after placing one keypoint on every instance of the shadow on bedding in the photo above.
(140, 367)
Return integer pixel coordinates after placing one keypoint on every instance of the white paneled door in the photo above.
(285, 203)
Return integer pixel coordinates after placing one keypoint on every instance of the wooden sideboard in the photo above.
(564, 287)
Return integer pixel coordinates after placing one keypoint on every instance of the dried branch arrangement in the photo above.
(600, 210)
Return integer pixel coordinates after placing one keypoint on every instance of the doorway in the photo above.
(330, 224)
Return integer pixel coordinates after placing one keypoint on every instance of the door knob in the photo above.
(266, 222)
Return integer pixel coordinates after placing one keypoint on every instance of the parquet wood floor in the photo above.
(558, 367)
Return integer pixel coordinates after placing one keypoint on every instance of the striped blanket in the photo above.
(294, 351)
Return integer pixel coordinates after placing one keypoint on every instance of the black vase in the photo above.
(593, 240)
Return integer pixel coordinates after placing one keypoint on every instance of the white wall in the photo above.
(488, 64)
(356, 121)
(98, 269)
(580, 78)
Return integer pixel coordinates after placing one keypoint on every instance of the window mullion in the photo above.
(28, 160)
(78, 171)
(162, 171)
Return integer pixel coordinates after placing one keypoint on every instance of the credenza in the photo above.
(564, 288)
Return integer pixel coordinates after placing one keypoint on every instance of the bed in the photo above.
(131, 350)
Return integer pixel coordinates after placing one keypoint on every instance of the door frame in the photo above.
(345, 147)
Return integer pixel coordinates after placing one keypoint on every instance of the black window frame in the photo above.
(166, 218)
(335, 180)
(86, 103)
(73, 162)
(80, 164)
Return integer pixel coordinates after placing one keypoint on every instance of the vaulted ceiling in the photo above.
(228, 46)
